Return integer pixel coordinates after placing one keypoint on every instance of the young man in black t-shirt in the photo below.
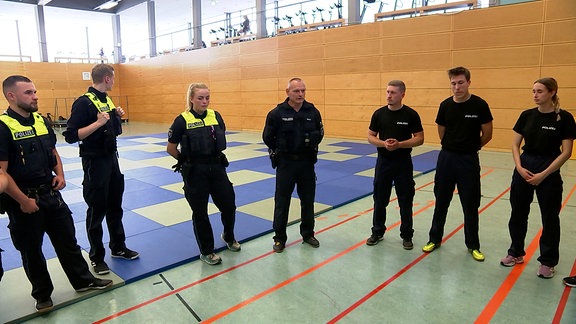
(464, 126)
(394, 129)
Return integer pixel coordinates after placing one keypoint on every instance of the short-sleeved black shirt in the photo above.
(543, 132)
(463, 122)
(399, 124)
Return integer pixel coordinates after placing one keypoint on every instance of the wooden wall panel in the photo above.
(499, 37)
(301, 40)
(508, 98)
(353, 97)
(258, 59)
(353, 81)
(560, 31)
(559, 54)
(424, 97)
(565, 75)
(365, 64)
(510, 78)
(305, 68)
(259, 47)
(419, 61)
(353, 32)
(253, 124)
(415, 43)
(346, 69)
(299, 54)
(560, 9)
(352, 48)
(352, 113)
(417, 25)
(499, 57)
(419, 79)
(501, 16)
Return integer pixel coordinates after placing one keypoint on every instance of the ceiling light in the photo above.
(213, 2)
(108, 5)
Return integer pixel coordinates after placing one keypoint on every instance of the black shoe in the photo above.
(100, 267)
(312, 241)
(44, 305)
(407, 244)
(374, 239)
(278, 247)
(570, 281)
(97, 284)
(126, 254)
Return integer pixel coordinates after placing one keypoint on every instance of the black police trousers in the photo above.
(460, 170)
(202, 180)
(103, 187)
(27, 231)
(291, 173)
(549, 195)
(397, 171)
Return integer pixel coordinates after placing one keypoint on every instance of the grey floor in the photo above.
(344, 280)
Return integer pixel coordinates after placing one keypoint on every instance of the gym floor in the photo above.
(342, 281)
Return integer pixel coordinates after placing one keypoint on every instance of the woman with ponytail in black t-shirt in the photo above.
(548, 133)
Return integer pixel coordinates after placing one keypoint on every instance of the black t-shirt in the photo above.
(399, 124)
(543, 132)
(463, 122)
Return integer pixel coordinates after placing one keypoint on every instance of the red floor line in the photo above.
(407, 267)
(298, 276)
(498, 298)
(563, 299)
(173, 292)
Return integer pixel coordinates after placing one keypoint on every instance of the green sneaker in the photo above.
(477, 255)
(430, 246)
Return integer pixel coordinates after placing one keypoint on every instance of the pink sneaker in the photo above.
(510, 261)
(545, 272)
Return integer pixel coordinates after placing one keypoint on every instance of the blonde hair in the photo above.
(552, 85)
(191, 92)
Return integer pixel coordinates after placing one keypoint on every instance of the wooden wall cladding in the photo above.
(346, 69)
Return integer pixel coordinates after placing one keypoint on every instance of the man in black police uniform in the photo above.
(292, 133)
(394, 129)
(95, 123)
(33, 201)
(464, 126)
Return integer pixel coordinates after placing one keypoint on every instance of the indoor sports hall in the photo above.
(346, 51)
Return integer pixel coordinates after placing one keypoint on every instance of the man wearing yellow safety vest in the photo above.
(95, 123)
(33, 201)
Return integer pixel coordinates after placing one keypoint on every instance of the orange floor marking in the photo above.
(563, 299)
(173, 292)
(502, 292)
(407, 267)
(296, 277)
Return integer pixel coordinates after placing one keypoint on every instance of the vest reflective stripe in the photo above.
(31, 158)
(193, 122)
(20, 131)
(204, 137)
(107, 106)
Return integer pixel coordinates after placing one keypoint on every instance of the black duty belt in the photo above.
(34, 191)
